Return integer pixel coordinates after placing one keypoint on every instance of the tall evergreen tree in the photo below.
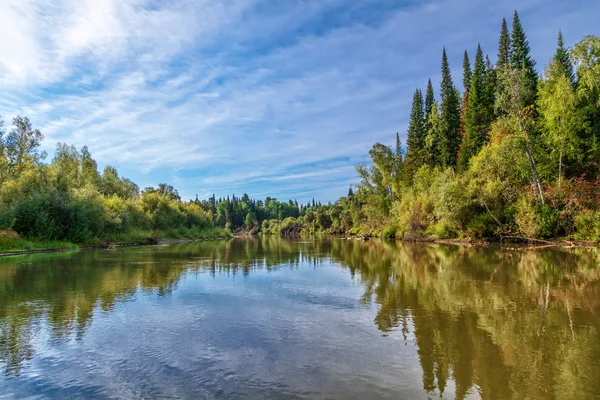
(416, 128)
(491, 85)
(478, 116)
(434, 137)
(429, 100)
(415, 140)
(450, 115)
(466, 84)
(504, 46)
(561, 57)
(466, 72)
(520, 58)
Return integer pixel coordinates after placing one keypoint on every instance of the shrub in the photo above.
(536, 221)
(587, 225)
(443, 230)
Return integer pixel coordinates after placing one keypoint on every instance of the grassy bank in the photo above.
(11, 242)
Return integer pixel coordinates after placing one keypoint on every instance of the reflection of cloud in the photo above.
(243, 89)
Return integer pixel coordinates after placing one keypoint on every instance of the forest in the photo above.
(513, 156)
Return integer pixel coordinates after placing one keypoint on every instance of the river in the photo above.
(315, 318)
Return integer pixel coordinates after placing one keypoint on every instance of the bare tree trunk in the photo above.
(537, 186)
(560, 167)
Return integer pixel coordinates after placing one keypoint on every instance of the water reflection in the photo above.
(487, 322)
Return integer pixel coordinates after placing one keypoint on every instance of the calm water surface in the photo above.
(305, 318)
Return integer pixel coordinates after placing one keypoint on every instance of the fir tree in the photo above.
(479, 114)
(429, 100)
(466, 72)
(520, 58)
(450, 115)
(415, 137)
(503, 46)
(416, 128)
(491, 86)
(561, 57)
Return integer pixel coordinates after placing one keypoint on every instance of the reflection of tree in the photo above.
(506, 324)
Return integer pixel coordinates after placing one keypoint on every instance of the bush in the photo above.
(536, 221)
(7, 217)
(587, 225)
(443, 230)
(60, 216)
(482, 227)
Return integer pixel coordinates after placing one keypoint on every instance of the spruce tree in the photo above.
(450, 116)
(503, 46)
(521, 59)
(561, 57)
(466, 72)
(478, 115)
(415, 138)
(416, 128)
(491, 86)
(429, 100)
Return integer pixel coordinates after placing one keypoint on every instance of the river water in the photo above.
(304, 318)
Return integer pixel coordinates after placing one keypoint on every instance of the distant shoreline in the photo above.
(106, 246)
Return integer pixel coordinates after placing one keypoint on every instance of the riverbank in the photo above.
(11, 244)
(513, 240)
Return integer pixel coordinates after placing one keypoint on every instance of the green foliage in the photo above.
(587, 225)
(520, 59)
(536, 220)
(450, 116)
(416, 136)
(561, 57)
(503, 46)
(563, 119)
(479, 112)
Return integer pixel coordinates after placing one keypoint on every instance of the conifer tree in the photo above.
(491, 86)
(416, 128)
(503, 46)
(520, 58)
(415, 137)
(479, 114)
(450, 115)
(466, 72)
(429, 100)
(561, 57)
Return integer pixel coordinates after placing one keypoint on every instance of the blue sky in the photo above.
(275, 97)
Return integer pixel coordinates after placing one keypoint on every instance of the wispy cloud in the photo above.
(244, 95)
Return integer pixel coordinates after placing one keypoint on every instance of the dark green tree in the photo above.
(450, 115)
(478, 116)
(466, 72)
(429, 99)
(561, 57)
(416, 132)
(520, 58)
(503, 46)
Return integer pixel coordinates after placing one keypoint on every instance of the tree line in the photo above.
(69, 200)
(515, 155)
